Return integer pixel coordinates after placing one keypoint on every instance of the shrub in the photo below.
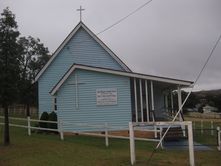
(52, 117)
(44, 116)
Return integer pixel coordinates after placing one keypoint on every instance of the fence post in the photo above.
(155, 131)
(212, 129)
(190, 142)
(201, 126)
(106, 135)
(194, 125)
(60, 124)
(219, 138)
(132, 144)
(29, 125)
(161, 130)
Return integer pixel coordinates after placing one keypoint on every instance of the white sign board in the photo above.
(106, 96)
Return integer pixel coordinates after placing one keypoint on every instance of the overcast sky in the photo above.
(170, 38)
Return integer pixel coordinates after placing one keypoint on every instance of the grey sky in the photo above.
(169, 38)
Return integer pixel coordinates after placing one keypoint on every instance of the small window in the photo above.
(55, 104)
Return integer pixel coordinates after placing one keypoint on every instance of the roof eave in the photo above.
(182, 83)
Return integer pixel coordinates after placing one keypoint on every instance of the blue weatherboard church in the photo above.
(85, 82)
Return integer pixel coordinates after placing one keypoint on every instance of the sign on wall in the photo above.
(106, 96)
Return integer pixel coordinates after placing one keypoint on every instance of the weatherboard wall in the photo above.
(88, 111)
(81, 49)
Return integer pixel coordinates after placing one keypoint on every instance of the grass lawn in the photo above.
(48, 149)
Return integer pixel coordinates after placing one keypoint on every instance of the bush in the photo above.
(44, 116)
(52, 117)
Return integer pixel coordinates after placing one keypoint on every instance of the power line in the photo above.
(125, 17)
(211, 53)
(197, 78)
(120, 20)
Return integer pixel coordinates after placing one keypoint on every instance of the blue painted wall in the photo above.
(81, 49)
(88, 112)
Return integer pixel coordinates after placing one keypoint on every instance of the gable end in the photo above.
(69, 37)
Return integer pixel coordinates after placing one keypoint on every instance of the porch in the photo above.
(153, 100)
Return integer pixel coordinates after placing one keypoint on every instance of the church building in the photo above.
(85, 82)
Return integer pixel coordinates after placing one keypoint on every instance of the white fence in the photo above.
(159, 124)
(138, 126)
(219, 138)
(106, 128)
(21, 110)
(29, 127)
(202, 127)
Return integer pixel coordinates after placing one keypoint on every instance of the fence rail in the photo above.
(20, 110)
(101, 127)
(15, 125)
(22, 119)
(132, 127)
(203, 126)
(106, 128)
(45, 121)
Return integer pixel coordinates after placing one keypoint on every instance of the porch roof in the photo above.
(167, 80)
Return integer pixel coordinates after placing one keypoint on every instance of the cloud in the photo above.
(168, 38)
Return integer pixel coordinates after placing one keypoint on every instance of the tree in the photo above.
(34, 56)
(10, 52)
(192, 100)
(20, 60)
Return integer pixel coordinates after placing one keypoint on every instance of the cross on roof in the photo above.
(80, 10)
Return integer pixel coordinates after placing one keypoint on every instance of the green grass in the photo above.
(48, 149)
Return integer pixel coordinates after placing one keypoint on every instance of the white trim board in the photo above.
(117, 72)
(68, 38)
